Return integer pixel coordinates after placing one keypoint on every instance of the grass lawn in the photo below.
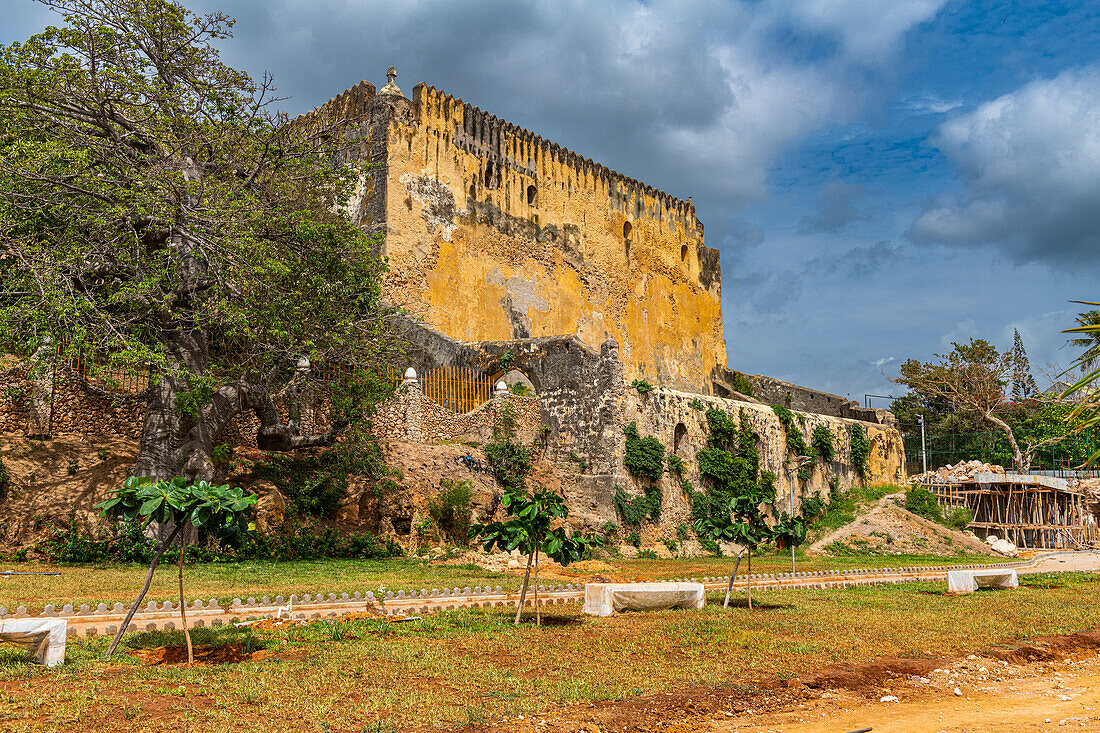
(461, 667)
(94, 584)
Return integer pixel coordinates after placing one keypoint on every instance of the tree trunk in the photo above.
(1021, 461)
(523, 591)
(144, 589)
(538, 615)
(184, 538)
(750, 579)
(729, 588)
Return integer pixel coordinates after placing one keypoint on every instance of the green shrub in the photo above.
(671, 545)
(813, 507)
(647, 555)
(519, 389)
(635, 510)
(697, 404)
(510, 461)
(742, 384)
(450, 510)
(861, 448)
(922, 502)
(642, 386)
(958, 518)
(675, 465)
(633, 539)
(823, 442)
(644, 456)
(609, 528)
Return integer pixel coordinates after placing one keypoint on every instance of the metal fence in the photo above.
(993, 447)
(458, 388)
(101, 375)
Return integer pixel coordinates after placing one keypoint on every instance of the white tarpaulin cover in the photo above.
(967, 581)
(604, 599)
(42, 637)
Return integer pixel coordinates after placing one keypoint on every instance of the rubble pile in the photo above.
(960, 473)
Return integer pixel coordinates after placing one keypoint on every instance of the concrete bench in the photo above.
(604, 599)
(44, 638)
(968, 581)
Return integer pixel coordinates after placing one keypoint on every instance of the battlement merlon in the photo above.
(486, 135)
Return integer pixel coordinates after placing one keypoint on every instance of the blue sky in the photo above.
(881, 178)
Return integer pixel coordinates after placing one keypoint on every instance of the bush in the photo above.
(823, 442)
(450, 510)
(742, 384)
(959, 518)
(124, 542)
(642, 386)
(644, 456)
(922, 502)
(675, 465)
(813, 507)
(510, 461)
(647, 555)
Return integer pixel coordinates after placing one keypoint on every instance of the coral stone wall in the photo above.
(494, 233)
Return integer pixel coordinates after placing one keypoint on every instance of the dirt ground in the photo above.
(1044, 685)
(890, 529)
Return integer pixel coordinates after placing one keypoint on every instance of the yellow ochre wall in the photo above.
(472, 258)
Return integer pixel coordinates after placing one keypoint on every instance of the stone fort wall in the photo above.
(494, 233)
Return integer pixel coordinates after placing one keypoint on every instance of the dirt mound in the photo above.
(890, 529)
(1046, 648)
(867, 674)
(219, 654)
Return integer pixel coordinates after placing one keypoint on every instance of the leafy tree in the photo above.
(534, 526)
(218, 510)
(1023, 383)
(972, 379)
(155, 209)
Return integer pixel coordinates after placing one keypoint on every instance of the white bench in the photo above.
(604, 599)
(44, 638)
(967, 581)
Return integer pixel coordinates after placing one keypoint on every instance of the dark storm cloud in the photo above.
(1030, 162)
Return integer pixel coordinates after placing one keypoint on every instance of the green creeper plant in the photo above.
(219, 510)
(644, 457)
(534, 526)
(823, 442)
(861, 448)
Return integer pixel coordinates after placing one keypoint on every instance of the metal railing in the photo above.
(460, 389)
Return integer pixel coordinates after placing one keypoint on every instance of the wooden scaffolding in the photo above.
(1039, 512)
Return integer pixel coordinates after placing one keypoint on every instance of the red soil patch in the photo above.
(219, 654)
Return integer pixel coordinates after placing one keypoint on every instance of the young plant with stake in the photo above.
(530, 529)
(220, 510)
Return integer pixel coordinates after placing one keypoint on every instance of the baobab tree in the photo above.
(156, 209)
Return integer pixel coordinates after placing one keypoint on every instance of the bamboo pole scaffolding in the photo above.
(1030, 515)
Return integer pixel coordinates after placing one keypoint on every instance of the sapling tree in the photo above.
(219, 510)
(534, 526)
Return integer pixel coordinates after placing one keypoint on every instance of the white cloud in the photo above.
(1030, 162)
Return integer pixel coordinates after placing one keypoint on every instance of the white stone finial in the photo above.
(410, 373)
(502, 388)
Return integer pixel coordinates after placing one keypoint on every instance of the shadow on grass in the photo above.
(757, 605)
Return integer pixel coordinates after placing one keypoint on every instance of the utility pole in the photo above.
(923, 451)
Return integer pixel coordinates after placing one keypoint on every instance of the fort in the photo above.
(519, 261)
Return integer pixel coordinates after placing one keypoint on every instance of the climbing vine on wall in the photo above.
(861, 448)
(796, 443)
(823, 442)
(635, 510)
(645, 457)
